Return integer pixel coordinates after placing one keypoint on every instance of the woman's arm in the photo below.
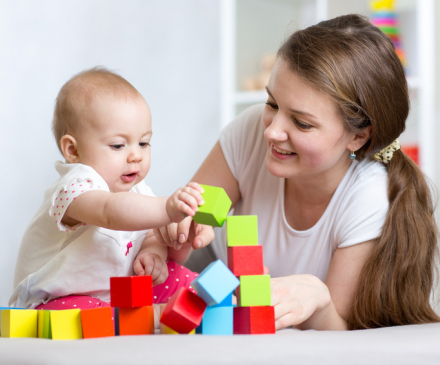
(306, 302)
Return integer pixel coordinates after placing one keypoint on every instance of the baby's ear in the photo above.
(69, 148)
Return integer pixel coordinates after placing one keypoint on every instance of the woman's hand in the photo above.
(304, 301)
(187, 232)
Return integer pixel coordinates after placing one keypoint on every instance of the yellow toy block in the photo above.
(44, 330)
(66, 324)
(165, 330)
(19, 323)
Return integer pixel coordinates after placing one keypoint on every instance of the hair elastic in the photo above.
(385, 155)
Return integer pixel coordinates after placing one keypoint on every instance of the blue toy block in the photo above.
(2, 308)
(217, 321)
(215, 283)
(227, 302)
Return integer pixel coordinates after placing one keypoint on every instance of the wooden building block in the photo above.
(246, 260)
(216, 207)
(184, 311)
(66, 324)
(242, 230)
(254, 290)
(131, 291)
(215, 283)
(254, 320)
(43, 326)
(165, 330)
(136, 321)
(227, 302)
(19, 323)
(217, 321)
(97, 322)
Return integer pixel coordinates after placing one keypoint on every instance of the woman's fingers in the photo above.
(183, 228)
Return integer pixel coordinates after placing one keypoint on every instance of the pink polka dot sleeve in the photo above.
(66, 195)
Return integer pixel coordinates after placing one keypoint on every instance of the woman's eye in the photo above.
(144, 144)
(117, 146)
(271, 104)
(302, 125)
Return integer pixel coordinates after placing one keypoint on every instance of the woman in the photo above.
(345, 217)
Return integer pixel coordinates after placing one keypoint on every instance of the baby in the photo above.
(96, 220)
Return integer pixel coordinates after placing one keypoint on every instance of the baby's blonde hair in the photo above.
(80, 92)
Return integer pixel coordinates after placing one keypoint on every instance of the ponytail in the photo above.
(395, 283)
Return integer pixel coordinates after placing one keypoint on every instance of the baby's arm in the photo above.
(151, 259)
(127, 211)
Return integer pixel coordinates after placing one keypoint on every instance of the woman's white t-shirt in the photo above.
(355, 214)
(56, 260)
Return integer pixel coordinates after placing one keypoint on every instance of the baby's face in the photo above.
(114, 140)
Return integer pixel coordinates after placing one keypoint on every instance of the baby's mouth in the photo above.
(129, 177)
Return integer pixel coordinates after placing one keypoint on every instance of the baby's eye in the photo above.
(117, 147)
(271, 104)
(144, 144)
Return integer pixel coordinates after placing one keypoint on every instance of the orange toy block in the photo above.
(97, 322)
(136, 321)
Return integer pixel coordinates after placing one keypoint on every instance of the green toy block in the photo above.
(216, 207)
(254, 290)
(242, 230)
(43, 327)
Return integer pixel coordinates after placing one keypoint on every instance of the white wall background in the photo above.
(169, 50)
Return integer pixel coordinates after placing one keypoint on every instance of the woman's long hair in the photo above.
(356, 65)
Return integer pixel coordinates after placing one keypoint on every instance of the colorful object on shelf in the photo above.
(385, 18)
(412, 150)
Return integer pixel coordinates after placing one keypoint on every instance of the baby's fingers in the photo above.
(138, 268)
(160, 271)
(196, 194)
(195, 186)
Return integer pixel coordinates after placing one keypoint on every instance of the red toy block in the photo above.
(184, 311)
(245, 260)
(131, 291)
(136, 321)
(97, 322)
(254, 320)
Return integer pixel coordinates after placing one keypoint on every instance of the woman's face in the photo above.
(304, 131)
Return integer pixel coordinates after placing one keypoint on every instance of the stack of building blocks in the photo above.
(133, 298)
(254, 313)
(215, 285)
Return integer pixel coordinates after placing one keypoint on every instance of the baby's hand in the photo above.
(185, 202)
(151, 264)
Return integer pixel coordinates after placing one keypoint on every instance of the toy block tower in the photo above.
(132, 297)
(215, 285)
(254, 313)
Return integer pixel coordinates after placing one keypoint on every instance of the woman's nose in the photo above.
(276, 130)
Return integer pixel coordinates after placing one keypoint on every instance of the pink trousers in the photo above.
(178, 276)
